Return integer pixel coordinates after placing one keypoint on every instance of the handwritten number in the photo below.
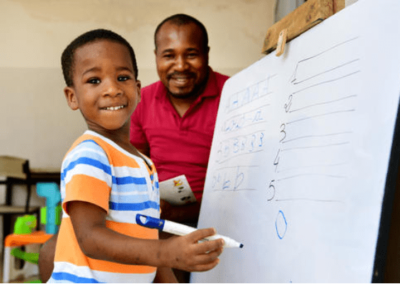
(276, 161)
(271, 190)
(283, 125)
(289, 103)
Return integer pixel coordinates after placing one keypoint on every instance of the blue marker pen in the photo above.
(179, 229)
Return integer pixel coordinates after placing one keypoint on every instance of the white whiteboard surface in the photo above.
(300, 153)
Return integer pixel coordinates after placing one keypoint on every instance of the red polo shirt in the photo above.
(178, 145)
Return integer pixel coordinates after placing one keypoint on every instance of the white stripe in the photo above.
(108, 277)
(129, 193)
(80, 149)
(121, 216)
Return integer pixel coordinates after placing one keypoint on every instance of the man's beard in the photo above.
(197, 90)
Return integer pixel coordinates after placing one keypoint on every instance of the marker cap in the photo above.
(150, 222)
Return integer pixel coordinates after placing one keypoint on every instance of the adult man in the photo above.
(174, 123)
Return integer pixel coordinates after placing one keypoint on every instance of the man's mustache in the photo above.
(183, 74)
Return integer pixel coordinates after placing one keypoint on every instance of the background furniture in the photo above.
(15, 171)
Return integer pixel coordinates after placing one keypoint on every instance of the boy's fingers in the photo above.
(206, 266)
(202, 233)
(209, 246)
(208, 257)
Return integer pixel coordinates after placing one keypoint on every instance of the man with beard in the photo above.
(174, 122)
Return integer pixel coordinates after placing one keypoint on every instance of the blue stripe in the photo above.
(86, 161)
(133, 206)
(72, 278)
(89, 141)
(128, 180)
(97, 152)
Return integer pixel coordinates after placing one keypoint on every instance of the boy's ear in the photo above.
(70, 95)
(138, 90)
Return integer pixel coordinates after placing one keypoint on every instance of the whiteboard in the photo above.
(300, 154)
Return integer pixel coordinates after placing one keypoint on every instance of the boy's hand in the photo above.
(188, 254)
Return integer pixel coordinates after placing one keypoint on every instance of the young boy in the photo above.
(105, 181)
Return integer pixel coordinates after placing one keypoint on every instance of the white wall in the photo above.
(35, 121)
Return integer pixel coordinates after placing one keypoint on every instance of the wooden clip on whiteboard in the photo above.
(297, 22)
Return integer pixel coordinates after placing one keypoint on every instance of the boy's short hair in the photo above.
(183, 19)
(67, 57)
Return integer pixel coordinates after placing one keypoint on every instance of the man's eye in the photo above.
(192, 55)
(94, 81)
(169, 56)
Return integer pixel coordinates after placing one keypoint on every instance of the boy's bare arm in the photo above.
(99, 242)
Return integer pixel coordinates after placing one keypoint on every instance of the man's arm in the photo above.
(165, 275)
(182, 214)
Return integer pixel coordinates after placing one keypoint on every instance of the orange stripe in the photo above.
(89, 189)
(119, 159)
(68, 249)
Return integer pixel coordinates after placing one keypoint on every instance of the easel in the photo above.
(295, 23)
(298, 21)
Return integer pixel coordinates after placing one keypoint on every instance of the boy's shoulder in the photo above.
(93, 146)
(86, 140)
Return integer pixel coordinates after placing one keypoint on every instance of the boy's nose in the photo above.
(111, 88)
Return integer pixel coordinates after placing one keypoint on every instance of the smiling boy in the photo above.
(106, 182)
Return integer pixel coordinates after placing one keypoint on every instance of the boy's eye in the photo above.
(192, 55)
(94, 81)
(168, 56)
(123, 78)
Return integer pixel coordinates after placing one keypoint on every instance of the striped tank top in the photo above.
(98, 171)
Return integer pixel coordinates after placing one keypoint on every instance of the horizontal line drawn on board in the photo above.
(322, 103)
(315, 146)
(316, 136)
(306, 68)
(310, 199)
(326, 71)
(333, 80)
(312, 174)
(312, 166)
(320, 115)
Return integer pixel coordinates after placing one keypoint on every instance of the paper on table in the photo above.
(177, 191)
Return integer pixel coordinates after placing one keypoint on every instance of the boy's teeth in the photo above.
(114, 108)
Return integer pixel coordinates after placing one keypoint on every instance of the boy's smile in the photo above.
(105, 89)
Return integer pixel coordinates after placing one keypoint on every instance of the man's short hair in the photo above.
(67, 57)
(183, 19)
